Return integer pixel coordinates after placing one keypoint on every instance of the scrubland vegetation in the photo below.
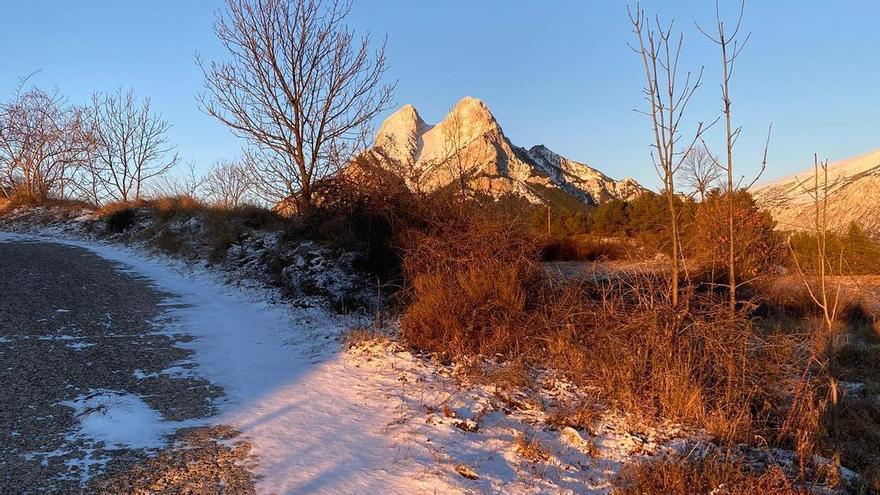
(466, 278)
(672, 340)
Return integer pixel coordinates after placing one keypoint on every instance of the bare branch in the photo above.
(299, 87)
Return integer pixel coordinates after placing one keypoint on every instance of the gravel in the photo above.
(72, 323)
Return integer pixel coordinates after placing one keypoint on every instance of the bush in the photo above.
(478, 310)
(759, 247)
(364, 214)
(470, 280)
(118, 220)
(691, 364)
(167, 207)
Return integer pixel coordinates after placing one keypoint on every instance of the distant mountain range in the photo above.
(853, 196)
(469, 147)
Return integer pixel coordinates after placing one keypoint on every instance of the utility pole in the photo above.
(548, 220)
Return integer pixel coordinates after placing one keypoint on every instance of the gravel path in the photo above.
(73, 327)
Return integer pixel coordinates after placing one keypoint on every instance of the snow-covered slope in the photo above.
(469, 143)
(853, 195)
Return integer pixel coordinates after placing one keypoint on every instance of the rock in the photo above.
(466, 425)
(569, 436)
(466, 471)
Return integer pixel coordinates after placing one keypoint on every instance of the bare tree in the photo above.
(731, 47)
(42, 144)
(187, 183)
(300, 88)
(700, 170)
(131, 144)
(668, 97)
(825, 295)
(227, 184)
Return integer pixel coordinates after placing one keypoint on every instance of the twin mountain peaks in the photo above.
(469, 148)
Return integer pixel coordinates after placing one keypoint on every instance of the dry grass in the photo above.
(582, 416)
(530, 448)
(475, 291)
(711, 475)
(471, 279)
(362, 335)
(478, 310)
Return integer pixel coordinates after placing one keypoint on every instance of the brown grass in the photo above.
(362, 335)
(582, 416)
(475, 290)
(711, 475)
(471, 279)
(530, 448)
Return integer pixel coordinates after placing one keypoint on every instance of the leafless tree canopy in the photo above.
(228, 185)
(42, 144)
(299, 86)
(187, 181)
(131, 144)
(700, 170)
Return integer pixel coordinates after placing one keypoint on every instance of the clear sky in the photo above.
(553, 72)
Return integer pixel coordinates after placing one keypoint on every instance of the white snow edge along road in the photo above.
(325, 420)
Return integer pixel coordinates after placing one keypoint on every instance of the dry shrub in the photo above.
(458, 236)
(711, 475)
(120, 220)
(19, 199)
(114, 206)
(166, 207)
(475, 290)
(471, 280)
(365, 214)
(477, 310)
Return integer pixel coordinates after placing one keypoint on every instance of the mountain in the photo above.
(469, 146)
(853, 196)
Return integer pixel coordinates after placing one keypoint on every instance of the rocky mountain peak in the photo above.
(469, 141)
(399, 133)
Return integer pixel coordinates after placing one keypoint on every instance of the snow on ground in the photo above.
(120, 420)
(372, 420)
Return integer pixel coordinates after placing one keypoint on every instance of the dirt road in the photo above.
(77, 335)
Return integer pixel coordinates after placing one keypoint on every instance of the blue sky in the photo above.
(554, 72)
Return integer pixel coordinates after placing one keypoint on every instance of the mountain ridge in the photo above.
(853, 195)
(469, 146)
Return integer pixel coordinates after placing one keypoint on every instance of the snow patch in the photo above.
(120, 420)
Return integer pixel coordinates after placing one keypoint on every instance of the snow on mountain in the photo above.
(576, 176)
(853, 195)
(469, 145)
